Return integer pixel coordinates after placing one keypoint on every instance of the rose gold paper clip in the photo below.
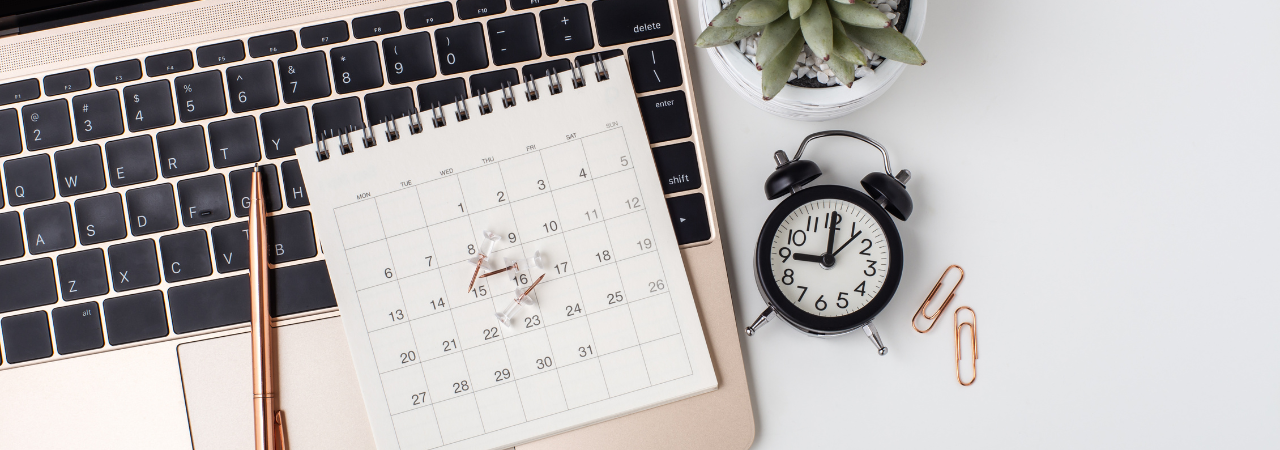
(933, 319)
(973, 330)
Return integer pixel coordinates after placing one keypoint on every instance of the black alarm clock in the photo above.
(829, 257)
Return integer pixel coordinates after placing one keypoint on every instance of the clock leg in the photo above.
(760, 321)
(872, 333)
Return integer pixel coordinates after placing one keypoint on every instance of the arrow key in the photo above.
(689, 217)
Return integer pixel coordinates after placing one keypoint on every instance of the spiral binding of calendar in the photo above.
(461, 111)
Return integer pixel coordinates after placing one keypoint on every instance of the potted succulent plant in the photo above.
(817, 46)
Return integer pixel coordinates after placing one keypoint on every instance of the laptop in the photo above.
(128, 130)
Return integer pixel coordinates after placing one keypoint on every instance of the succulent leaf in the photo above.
(844, 48)
(859, 13)
(717, 36)
(798, 7)
(815, 25)
(729, 15)
(761, 12)
(776, 35)
(843, 69)
(778, 69)
(886, 42)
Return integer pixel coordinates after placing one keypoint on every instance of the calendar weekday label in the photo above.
(567, 180)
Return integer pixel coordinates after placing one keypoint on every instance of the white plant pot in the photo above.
(810, 104)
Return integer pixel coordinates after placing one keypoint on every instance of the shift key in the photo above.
(623, 21)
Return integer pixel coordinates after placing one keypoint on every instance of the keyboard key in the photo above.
(234, 142)
(97, 115)
(82, 274)
(666, 116)
(295, 192)
(470, 9)
(408, 58)
(494, 82)
(461, 48)
(10, 135)
(203, 200)
(441, 92)
(336, 117)
(49, 228)
(677, 167)
(356, 67)
(623, 21)
(428, 15)
(131, 161)
(185, 256)
(116, 73)
(289, 237)
(11, 245)
(284, 130)
(62, 83)
(79, 170)
(566, 29)
(526, 4)
(148, 105)
(172, 62)
(210, 304)
(689, 217)
(252, 86)
(134, 318)
(377, 24)
(217, 54)
(27, 284)
(514, 39)
(240, 187)
(272, 44)
(151, 209)
(231, 246)
(77, 328)
(133, 265)
(540, 70)
(382, 106)
(182, 151)
(28, 180)
(589, 59)
(323, 34)
(19, 91)
(200, 96)
(300, 288)
(47, 124)
(100, 219)
(26, 337)
(655, 66)
(304, 77)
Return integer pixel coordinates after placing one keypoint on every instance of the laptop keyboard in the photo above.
(133, 196)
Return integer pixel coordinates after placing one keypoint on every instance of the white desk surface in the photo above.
(1106, 174)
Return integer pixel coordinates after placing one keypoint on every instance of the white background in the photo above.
(1106, 174)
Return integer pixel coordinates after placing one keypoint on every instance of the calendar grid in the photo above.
(587, 321)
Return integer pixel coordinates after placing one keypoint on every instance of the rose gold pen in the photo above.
(268, 418)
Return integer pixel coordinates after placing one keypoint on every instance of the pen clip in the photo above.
(282, 436)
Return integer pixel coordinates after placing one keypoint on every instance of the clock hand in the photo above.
(806, 257)
(831, 236)
(846, 243)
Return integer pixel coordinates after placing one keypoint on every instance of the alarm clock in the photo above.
(829, 257)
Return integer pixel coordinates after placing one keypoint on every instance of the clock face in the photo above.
(830, 257)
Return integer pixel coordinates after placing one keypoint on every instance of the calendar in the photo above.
(562, 192)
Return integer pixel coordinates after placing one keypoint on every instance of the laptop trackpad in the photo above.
(318, 390)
